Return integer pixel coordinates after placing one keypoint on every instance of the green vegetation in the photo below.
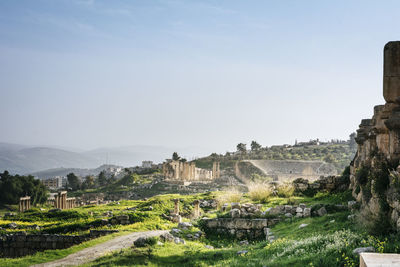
(12, 187)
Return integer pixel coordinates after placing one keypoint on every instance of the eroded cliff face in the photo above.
(374, 178)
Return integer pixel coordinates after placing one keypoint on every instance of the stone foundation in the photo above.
(21, 244)
(238, 227)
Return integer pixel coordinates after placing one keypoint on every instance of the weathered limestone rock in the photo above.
(378, 141)
(235, 213)
(391, 71)
(322, 211)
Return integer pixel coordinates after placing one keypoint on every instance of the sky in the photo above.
(207, 74)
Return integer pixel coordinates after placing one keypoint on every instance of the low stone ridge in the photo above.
(20, 244)
(329, 184)
(239, 228)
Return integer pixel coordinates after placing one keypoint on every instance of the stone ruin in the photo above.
(24, 203)
(21, 244)
(60, 201)
(181, 171)
(282, 170)
(378, 141)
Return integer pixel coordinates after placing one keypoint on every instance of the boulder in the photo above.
(167, 237)
(303, 225)
(307, 212)
(289, 215)
(235, 205)
(235, 213)
(322, 212)
(244, 243)
(185, 225)
(175, 231)
(178, 240)
(13, 225)
(242, 252)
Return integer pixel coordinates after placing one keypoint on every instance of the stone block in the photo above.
(259, 223)
(212, 223)
(235, 213)
(243, 224)
(307, 212)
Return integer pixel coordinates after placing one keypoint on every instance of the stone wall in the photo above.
(239, 228)
(21, 244)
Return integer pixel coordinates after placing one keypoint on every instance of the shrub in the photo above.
(285, 190)
(362, 175)
(229, 197)
(260, 192)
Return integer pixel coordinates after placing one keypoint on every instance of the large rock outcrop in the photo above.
(374, 176)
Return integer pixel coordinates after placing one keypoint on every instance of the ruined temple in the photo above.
(373, 176)
(176, 170)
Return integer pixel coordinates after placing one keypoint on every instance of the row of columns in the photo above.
(24, 203)
(62, 202)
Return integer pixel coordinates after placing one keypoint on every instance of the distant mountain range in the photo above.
(21, 159)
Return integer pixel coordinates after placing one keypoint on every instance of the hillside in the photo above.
(339, 154)
(64, 171)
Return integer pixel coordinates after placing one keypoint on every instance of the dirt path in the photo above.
(92, 253)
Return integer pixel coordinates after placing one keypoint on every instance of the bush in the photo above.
(285, 190)
(145, 241)
(229, 197)
(362, 175)
(260, 192)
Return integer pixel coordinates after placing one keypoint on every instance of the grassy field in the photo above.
(325, 241)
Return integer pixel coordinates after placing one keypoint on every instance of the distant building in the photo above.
(55, 183)
(147, 164)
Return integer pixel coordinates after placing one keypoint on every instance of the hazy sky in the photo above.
(189, 73)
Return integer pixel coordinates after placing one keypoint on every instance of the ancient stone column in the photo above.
(196, 204)
(391, 71)
(176, 208)
(64, 200)
(24, 203)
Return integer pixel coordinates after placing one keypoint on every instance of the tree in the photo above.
(255, 146)
(12, 187)
(241, 148)
(73, 181)
(102, 178)
(88, 183)
(175, 156)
